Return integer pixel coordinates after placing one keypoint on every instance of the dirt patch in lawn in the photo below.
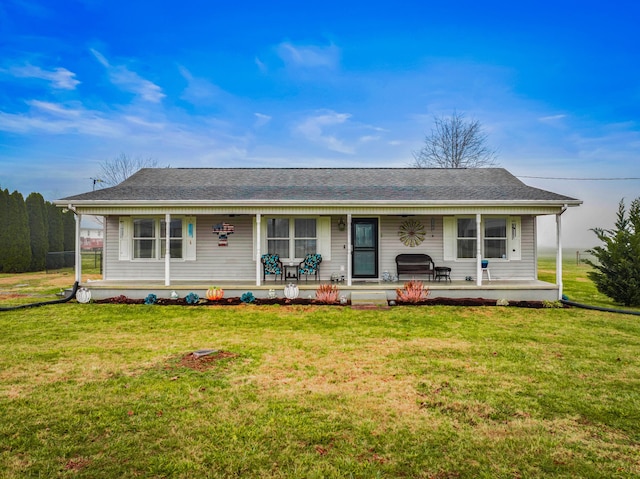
(204, 363)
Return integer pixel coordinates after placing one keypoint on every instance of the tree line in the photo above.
(31, 228)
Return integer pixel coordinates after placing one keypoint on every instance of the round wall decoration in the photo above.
(411, 233)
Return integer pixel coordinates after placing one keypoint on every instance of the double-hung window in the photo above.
(292, 238)
(150, 238)
(495, 238)
(278, 236)
(305, 237)
(467, 237)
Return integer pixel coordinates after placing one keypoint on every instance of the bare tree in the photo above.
(121, 167)
(455, 142)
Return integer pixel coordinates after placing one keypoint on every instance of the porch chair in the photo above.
(310, 265)
(484, 264)
(271, 264)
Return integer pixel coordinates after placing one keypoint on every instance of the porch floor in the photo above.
(497, 289)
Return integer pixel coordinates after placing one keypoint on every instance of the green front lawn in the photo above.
(100, 391)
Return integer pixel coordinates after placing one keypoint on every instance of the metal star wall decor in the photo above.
(411, 233)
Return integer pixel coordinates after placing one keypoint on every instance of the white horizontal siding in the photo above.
(236, 261)
(391, 246)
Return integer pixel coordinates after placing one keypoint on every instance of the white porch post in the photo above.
(349, 250)
(559, 253)
(258, 243)
(478, 249)
(167, 249)
(78, 249)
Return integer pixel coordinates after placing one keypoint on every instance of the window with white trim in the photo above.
(150, 238)
(292, 237)
(467, 237)
(500, 237)
(495, 238)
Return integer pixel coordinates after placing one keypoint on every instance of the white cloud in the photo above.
(260, 64)
(60, 78)
(200, 91)
(368, 138)
(314, 129)
(59, 119)
(309, 56)
(552, 118)
(261, 119)
(130, 81)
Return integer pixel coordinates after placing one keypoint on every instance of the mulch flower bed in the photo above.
(234, 301)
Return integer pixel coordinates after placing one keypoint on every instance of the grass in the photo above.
(101, 391)
(576, 284)
(441, 392)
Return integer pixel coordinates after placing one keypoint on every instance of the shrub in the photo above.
(617, 272)
(412, 292)
(327, 293)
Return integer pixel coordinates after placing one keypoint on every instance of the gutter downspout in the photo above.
(71, 296)
(559, 251)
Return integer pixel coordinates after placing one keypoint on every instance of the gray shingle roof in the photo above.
(321, 185)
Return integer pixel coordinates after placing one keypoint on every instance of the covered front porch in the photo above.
(531, 290)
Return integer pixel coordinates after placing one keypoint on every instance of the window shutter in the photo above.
(190, 238)
(514, 238)
(324, 237)
(125, 238)
(449, 236)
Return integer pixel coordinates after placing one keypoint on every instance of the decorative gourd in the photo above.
(291, 291)
(214, 293)
(83, 295)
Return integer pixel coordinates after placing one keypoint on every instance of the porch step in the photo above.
(369, 299)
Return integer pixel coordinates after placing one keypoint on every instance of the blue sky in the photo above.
(556, 86)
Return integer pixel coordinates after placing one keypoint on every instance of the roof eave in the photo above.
(329, 203)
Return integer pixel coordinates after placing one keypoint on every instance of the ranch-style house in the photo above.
(464, 232)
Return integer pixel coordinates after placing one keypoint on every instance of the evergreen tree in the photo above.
(56, 236)
(18, 242)
(4, 227)
(38, 231)
(617, 271)
(69, 225)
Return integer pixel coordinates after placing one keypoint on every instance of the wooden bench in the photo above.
(415, 264)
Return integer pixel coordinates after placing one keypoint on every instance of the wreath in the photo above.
(411, 233)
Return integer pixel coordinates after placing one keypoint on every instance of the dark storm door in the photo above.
(365, 247)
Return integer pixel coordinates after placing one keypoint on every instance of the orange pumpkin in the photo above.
(214, 293)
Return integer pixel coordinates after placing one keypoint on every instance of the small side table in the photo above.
(291, 271)
(443, 272)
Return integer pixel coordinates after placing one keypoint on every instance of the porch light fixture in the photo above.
(341, 224)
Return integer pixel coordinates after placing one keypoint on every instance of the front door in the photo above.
(364, 235)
